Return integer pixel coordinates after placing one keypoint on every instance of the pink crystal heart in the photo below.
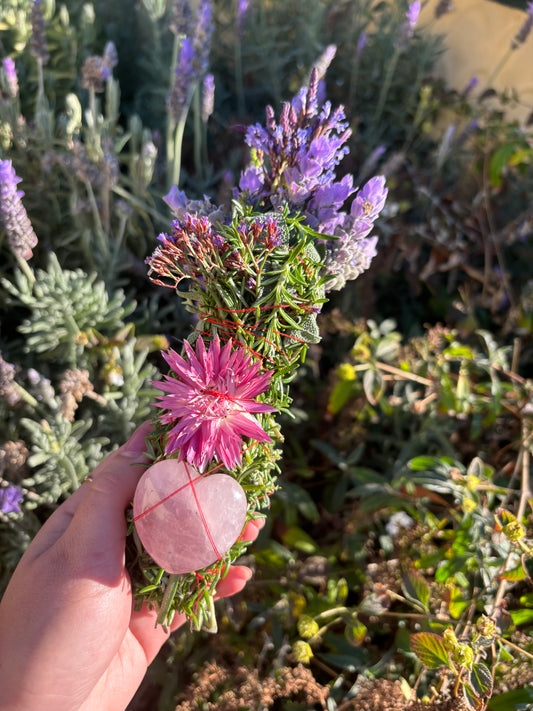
(187, 521)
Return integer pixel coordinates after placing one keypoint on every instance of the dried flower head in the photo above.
(13, 455)
(96, 70)
(211, 395)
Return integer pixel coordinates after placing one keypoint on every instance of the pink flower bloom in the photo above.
(210, 398)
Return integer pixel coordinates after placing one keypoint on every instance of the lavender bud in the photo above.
(10, 74)
(20, 234)
(361, 44)
(202, 38)
(178, 99)
(325, 60)
(242, 11)
(181, 18)
(408, 28)
(522, 35)
(38, 44)
(208, 97)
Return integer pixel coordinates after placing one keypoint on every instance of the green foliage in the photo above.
(68, 309)
(398, 548)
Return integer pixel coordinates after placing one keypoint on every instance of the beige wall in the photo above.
(478, 34)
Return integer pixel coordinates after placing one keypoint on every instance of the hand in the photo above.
(69, 637)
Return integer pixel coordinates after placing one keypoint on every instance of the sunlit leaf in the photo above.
(355, 633)
(515, 574)
(416, 588)
(522, 617)
(499, 161)
(457, 605)
(373, 385)
(295, 537)
(339, 396)
(430, 649)
(481, 680)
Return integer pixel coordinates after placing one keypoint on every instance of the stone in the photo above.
(186, 521)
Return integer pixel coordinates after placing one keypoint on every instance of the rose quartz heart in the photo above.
(199, 521)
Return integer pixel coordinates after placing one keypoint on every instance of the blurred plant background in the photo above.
(395, 570)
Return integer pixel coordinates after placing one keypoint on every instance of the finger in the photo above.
(251, 530)
(152, 637)
(98, 525)
(234, 582)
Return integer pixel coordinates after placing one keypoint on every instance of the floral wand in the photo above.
(256, 281)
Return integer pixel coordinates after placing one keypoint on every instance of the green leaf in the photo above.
(499, 161)
(521, 617)
(515, 574)
(457, 605)
(373, 385)
(423, 463)
(459, 352)
(416, 588)
(340, 395)
(527, 600)
(295, 537)
(355, 633)
(430, 649)
(517, 698)
(481, 680)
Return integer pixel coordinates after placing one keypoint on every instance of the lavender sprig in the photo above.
(20, 233)
(293, 163)
(10, 74)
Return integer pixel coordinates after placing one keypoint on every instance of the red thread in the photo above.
(177, 491)
(206, 527)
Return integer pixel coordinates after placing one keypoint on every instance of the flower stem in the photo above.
(385, 87)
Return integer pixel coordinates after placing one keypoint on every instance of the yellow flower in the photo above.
(302, 651)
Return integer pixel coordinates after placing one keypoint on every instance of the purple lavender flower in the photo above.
(324, 61)
(242, 11)
(202, 38)
(11, 76)
(408, 27)
(110, 56)
(353, 252)
(293, 163)
(20, 234)
(178, 100)
(522, 35)
(474, 81)
(208, 97)
(361, 44)
(10, 498)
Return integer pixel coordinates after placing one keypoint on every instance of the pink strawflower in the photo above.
(210, 398)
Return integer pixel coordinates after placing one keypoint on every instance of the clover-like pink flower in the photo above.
(210, 397)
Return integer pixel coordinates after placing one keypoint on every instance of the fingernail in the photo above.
(244, 572)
